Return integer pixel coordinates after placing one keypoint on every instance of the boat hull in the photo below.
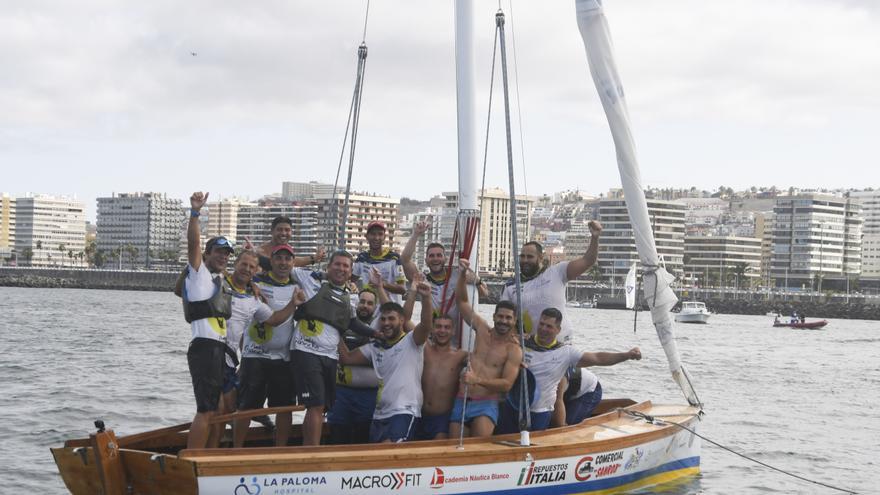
(692, 318)
(812, 325)
(605, 471)
(610, 453)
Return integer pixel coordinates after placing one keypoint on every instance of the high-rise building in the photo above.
(577, 240)
(722, 260)
(255, 222)
(362, 209)
(48, 230)
(291, 191)
(223, 218)
(764, 231)
(617, 247)
(7, 221)
(495, 233)
(815, 237)
(7, 229)
(870, 203)
(139, 230)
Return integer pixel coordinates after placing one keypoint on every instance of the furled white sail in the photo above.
(655, 278)
(630, 287)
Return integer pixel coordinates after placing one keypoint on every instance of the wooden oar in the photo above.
(252, 413)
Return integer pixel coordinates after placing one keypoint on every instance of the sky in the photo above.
(231, 97)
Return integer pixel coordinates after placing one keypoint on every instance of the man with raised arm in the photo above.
(548, 359)
(441, 280)
(443, 365)
(265, 362)
(545, 287)
(398, 360)
(386, 261)
(218, 307)
(280, 232)
(321, 321)
(493, 368)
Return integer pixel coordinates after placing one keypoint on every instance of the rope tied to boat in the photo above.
(653, 419)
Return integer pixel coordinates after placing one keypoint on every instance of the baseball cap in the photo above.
(219, 241)
(375, 223)
(282, 247)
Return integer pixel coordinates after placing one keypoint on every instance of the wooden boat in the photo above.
(809, 325)
(615, 451)
(626, 446)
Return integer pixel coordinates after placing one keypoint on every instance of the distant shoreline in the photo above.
(156, 281)
(69, 278)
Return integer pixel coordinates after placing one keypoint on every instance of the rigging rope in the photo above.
(654, 420)
(522, 152)
(354, 114)
(479, 209)
(524, 406)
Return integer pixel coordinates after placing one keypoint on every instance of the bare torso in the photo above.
(491, 352)
(440, 378)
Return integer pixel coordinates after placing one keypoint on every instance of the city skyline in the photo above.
(174, 98)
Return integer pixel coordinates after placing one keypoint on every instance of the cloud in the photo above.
(278, 76)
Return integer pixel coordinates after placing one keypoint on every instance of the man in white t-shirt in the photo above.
(214, 308)
(544, 287)
(442, 278)
(548, 360)
(385, 261)
(398, 360)
(265, 358)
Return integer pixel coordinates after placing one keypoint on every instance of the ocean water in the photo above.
(803, 401)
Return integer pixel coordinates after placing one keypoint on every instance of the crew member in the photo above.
(443, 365)
(265, 362)
(548, 360)
(280, 234)
(356, 386)
(493, 365)
(321, 320)
(384, 260)
(208, 303)
(545, 287)
(441, 278)
(398, 361)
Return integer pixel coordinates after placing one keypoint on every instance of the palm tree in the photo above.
(740, 269)
(39, 245)
(61, 248)
(28, 254)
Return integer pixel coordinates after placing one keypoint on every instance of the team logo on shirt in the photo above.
(260, 333)
(311, 328)
(527, 322)
(218, 325)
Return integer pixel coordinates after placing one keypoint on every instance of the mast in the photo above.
(467, 156)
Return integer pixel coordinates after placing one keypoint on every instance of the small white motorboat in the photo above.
(693, 312)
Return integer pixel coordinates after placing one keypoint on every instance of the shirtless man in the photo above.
(493, 367)
(443, 365)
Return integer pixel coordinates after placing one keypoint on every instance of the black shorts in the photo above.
(265, 378)
(314, 377)
(207, 363)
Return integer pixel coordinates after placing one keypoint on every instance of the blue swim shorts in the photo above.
(488, 408)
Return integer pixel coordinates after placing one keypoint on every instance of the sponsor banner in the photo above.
(585, 470)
